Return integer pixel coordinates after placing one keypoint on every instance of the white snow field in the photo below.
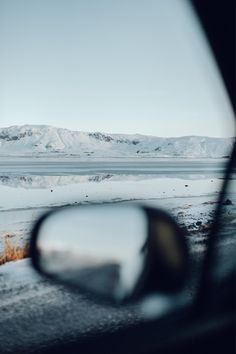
(188, 190)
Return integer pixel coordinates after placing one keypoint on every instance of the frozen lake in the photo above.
(28, 187)
(186, 188)
(158, 167)
(29, 183)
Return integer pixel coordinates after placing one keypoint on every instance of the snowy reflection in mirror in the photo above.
(96, 247)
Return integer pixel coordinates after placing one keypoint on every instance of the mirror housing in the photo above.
(116, 252)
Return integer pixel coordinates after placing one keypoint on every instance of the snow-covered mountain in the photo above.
(42, 140)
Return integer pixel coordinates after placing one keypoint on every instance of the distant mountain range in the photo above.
(42, 140)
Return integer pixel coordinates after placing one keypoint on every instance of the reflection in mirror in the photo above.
(96, 247)
(114, 251)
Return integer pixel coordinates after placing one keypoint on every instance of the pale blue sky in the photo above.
(131, 66)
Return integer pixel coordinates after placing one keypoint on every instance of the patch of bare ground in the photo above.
(13, 252)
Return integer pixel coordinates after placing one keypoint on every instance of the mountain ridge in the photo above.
(46, 140)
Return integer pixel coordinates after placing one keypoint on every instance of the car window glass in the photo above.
(108, 101)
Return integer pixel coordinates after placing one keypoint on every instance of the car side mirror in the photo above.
(115, 251)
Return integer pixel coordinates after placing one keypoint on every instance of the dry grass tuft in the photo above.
(13, 252)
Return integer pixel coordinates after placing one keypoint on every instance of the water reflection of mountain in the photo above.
(48, 182)
(44, 182)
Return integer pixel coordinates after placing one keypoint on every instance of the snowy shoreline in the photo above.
(187, 189)
(16, 223)
(106, 190)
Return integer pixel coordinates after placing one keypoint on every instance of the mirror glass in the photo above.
(114, 251)
(96, 247)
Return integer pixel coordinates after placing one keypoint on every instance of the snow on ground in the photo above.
(191, 198)
(189, 201)
(18, 273)
(187, 189)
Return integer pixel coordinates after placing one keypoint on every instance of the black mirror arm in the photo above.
(205, 284)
